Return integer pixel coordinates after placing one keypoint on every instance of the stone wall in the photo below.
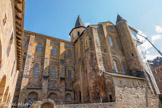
(135, 94)
(88, 105)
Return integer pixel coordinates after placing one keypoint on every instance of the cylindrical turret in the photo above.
(77, 30)
(129, 48)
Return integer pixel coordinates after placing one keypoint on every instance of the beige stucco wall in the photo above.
(8, 68)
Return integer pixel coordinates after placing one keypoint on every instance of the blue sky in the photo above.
(57, 17)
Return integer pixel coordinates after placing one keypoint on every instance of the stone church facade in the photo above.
(99, 67)
(100, 64)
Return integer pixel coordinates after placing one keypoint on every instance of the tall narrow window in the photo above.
(54, 51)
(110, 40)
(69, 74)
(115, 66)
(69, 54)
(100, 41)
(78, 33)
(104, 64)
(39, 48)
(124, 67)
(53, 73)
(36, 71)
(117, 40)
(24, 44)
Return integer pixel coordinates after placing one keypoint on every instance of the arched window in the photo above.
(110, 40)
(69, 54)
(68, 97)
(104, 64)
(53, 96)
(69, 74)
(53, 73)
(36, 71)
(32, 97)
(115, 66)
(54, 51)
(100, 41)
(117, 40)
(39, 48)
(125, 69)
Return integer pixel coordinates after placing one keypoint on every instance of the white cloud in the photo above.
(151, 57)
(158, 29)
(140, 37)
(146, 45)
(87, 23)
(156, 37)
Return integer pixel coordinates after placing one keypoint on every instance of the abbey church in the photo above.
(99, 68)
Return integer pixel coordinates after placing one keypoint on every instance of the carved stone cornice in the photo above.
(19, 10)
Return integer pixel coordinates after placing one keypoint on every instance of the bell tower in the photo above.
(77, 30)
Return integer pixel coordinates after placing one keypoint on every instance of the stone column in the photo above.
(27, 70)
(62, 71)
(46, 70)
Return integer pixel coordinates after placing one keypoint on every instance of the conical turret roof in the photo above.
(119, 18)
(79, 22)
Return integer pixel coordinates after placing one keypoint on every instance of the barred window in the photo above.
(36, 71)
(54, 51)
(115, 66)
(110, 40)
(39, 48)
(69, 74)
(69, 54)
(53, 73)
